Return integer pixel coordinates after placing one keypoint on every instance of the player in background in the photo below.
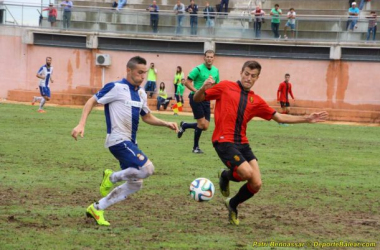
(236, 105)
(200, 110)
(45, 76)
(284, 89)
(124, 101)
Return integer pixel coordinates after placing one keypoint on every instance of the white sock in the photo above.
(37, 98)
(120, 193)
(133, 173)
(42, 103)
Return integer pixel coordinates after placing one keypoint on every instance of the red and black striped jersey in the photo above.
(234, 108)
(283, 90)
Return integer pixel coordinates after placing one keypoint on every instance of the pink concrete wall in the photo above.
(322, 83)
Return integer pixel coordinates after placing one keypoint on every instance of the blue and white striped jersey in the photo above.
(45, 71)
(123, 104)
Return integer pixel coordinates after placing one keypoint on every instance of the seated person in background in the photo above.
(353, 13)
(162, 98)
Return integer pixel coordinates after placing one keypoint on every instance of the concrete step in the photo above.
(56, 98)
(337, 111)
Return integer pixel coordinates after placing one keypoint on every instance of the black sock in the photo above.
(243, 195)
(197, 135)
(228, 174)
(189, 125)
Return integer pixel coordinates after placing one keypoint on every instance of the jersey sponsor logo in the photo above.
(133, 104)
(141, 157)
(237, 158)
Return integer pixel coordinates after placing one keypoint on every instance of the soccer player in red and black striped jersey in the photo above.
(236, 104)
(284, 89)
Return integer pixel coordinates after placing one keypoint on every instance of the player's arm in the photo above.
(200, 95)
(312, 118)
(79, 129)
(291, 92)
(189, 85)
(40, 75)
(152, 120)
(278, 93)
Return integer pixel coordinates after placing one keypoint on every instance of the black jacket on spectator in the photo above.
(195, 9)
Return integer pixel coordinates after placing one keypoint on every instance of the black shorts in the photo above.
(233, 155)
(200, 109)
(284, 104)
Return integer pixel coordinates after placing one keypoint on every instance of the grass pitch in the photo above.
(320, 184)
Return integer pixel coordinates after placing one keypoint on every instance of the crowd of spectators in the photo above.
(209, 13)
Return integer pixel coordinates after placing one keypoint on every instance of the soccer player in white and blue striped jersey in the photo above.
(45, 76)
(124, 102)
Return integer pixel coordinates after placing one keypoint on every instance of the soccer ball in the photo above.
(202, 189)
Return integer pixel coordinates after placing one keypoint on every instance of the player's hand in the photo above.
(173, 126)
(78, 130)
(208, 83)
(318, 117)
(52, 81)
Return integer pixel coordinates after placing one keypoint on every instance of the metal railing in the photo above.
(312, 28)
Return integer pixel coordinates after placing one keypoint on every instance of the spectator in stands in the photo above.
(162, 98)
(150, 85)
(193, 11)
(361, 6)
(209, 15)
(224, 3)
(290, 23)
(179, 9)
(353, 13)
(153, 8)
(259, 19)
(177, 78)
(276, 12)
(66, 17)
(52, 15)
(372, 26)
(121, 4)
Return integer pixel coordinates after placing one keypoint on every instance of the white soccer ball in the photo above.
(202, 189)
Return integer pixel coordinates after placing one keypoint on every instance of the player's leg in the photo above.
(203, 122)
(229, 155)
(131, 158)
(38, 98)
(133, 162)
(245, 168)
(195, 107)
(44, 93)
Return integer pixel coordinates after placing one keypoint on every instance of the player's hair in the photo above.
(276, 5)
(287, 74)
(209, 51)
(48, 57)
(134, 61)
(251, 65)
